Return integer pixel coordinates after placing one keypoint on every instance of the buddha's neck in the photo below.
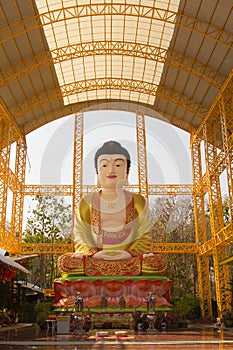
(110, 193)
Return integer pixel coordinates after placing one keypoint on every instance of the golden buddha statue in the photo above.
(112, 230)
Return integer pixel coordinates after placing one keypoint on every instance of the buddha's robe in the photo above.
(134, 237)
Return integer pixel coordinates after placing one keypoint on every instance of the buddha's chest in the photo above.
(113, 220)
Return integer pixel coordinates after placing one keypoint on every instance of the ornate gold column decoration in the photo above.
(142, 158)
(204, 286)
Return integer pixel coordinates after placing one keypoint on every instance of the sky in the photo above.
(50, 151)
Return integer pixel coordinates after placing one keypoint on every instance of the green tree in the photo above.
(49, 222)
(227, 220)
(226, 210)
(172, 220)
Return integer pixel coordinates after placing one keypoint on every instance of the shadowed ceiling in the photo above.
(167, 59)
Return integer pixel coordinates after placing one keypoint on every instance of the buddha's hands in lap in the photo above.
(112, 255)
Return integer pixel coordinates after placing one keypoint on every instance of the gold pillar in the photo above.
(5, 142)
(216, 216)
(142, 157)
(18, 195)
(204, 286)
(226, 116)
(78, 160)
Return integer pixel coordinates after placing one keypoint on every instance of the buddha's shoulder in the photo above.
(85, 201)
(139, 200)
(84, 208)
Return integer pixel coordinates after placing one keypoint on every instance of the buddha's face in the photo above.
(112, 170)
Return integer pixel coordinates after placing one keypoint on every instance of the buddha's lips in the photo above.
(111, 176)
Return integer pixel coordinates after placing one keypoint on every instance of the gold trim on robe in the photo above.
(88, 235)
(126, 267)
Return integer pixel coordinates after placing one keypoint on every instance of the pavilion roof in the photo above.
(167, 59)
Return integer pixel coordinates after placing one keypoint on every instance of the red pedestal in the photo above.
(134, 289)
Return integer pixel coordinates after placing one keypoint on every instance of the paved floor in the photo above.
(30, 337)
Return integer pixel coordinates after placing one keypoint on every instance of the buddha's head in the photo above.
(112, 164)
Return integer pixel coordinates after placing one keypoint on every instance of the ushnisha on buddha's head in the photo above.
(112, 164)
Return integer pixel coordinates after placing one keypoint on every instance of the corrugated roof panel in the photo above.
(95, 71)
(117, 27)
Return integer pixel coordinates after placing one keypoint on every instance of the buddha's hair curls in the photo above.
(112, 147)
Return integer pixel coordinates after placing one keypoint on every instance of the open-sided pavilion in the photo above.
(167, 59)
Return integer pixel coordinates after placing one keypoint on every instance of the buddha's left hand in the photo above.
(112, 255)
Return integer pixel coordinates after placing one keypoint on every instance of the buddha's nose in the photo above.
(111, 166)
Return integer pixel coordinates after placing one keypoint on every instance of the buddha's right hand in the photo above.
(77, 256)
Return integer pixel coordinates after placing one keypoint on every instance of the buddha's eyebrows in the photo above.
(108, 160)
(117, 159)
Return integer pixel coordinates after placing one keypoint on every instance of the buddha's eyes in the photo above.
(116, 163)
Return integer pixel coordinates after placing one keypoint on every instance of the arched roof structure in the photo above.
(167, 59)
